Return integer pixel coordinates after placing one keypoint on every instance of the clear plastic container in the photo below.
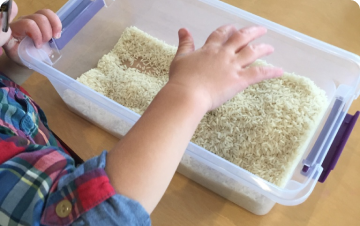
(334, 70)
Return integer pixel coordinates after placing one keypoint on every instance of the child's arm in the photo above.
(144, 161)
(41, 27)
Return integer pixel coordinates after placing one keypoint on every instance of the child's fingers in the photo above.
(44, 26)
(242, 37)
(28, 27)
(254, 75)
(41, 27)
(54, 20)
(252, 52)
(186, 43)
(221, 35)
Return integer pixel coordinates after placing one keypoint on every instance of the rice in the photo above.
(265, 129)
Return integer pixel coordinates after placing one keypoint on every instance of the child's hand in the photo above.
(41, 27)
(218, 70)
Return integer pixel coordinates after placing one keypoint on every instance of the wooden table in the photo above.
(336, 202)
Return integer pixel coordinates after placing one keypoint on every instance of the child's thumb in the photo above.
(186, 42)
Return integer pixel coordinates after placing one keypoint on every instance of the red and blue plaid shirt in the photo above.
(37, 174)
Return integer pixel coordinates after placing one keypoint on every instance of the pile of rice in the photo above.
(264, 129)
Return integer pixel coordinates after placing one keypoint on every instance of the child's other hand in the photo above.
(218, 71)
(41, 27)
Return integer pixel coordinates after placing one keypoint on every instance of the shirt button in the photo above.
(63, 208)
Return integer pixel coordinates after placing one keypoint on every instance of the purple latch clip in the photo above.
(338, 145)
(319, 148)
(77, 16)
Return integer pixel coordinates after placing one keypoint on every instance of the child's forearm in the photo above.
(144, 161)
(19, 74)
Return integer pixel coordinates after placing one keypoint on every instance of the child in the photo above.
(39, 183)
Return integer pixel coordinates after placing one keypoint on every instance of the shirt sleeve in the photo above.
(82, 196)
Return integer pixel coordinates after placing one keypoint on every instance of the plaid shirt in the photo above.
(33, 163)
